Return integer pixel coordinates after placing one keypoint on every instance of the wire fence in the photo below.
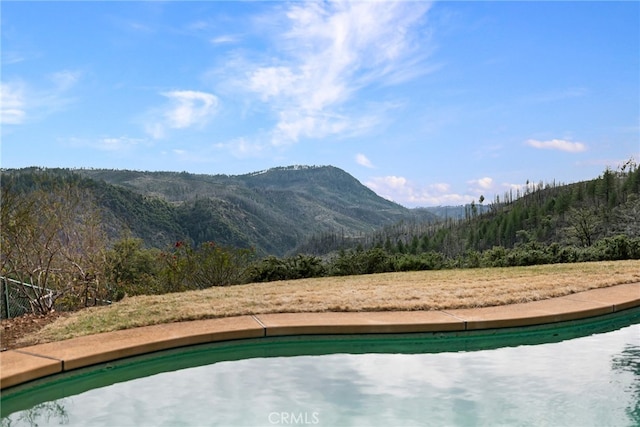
(17, 297)
(14, 301)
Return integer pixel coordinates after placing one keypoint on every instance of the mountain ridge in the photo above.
(274, 210)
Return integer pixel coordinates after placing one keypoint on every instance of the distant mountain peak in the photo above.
(286, 168)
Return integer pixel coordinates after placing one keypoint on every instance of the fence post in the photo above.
(6, 296)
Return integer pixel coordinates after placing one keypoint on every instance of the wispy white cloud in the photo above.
(327, 54)
(481, 184)
(119, 144)
(223, 39)
(294, 124)
(489, 188)
(13, 57)
(22, 101)
(65, 80)
(557, 144)
(12, 102)
(363, 160)
(155, 129)
(408, 193)
(186, 108)
(212, 29)
(190, 108)
(242, 148)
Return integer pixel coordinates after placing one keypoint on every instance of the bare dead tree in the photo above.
(52, 245)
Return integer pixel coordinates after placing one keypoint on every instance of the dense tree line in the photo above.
(380, 260)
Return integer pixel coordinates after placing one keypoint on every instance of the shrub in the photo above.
(494, 257)
(214, 265)
(209, 265)
(131, 269)
(408, 262)
(352, 262)
(298, 267)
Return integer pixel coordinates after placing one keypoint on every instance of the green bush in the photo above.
(375, 260)
(494, 257)
(185, 268)
(215, 265)
(618, 248)
(425, 261)
(131, 269)
(268, 270)
(298, 267)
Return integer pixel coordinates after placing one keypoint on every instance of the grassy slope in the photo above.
(424, 290)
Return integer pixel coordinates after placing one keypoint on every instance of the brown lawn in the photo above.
(424, 290)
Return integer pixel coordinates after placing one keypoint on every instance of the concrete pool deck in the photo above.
(29, 363)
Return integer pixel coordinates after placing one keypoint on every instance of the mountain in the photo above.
(274, 210)
(321, 209)
(325, 212)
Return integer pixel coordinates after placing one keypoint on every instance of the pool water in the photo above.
(592, 380)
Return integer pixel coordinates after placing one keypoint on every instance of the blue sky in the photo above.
(425, 103)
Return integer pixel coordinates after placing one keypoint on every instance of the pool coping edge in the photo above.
(21, 365)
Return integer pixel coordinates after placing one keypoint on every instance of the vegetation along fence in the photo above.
(14, 303)
(17, 297)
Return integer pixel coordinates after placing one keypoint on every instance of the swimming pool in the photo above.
(574, 373)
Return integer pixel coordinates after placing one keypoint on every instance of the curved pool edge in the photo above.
(34, 362)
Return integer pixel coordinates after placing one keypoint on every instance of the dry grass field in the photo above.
(424, 290)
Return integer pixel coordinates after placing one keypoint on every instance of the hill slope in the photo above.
(273, 210)
(577, 214)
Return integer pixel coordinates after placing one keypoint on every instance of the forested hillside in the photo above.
(272, 211)
(577, 214)
(542, 214)
(320, 210)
